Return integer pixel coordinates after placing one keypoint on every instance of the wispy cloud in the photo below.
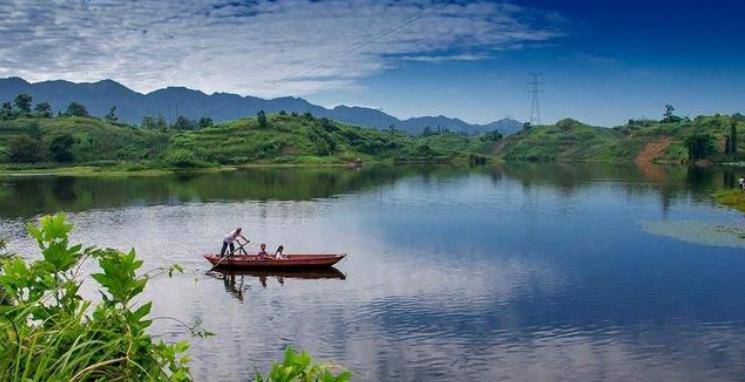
(253, 47)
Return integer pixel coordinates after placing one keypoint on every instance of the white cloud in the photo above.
(255, 47)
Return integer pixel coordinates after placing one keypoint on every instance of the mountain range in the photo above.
(171, 102)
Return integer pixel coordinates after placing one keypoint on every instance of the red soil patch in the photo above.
(652, 150)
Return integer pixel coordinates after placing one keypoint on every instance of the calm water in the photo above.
(516, 273)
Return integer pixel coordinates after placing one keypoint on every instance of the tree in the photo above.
(669, 115)
(527, 126)
(307, 115)
(23, 103)
(24, 149)
(43, 110)
(732, 141)
(60, 147)
(699, 146)
(261, 117)
(75, 109)
(205, 122)
(148, 122)
(160, 123)
(328, 125)
(111, 115)
(492, 136)
(427, 131)
(6, 111)
(282, 112)
(183, 123)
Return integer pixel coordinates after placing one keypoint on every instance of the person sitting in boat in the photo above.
(229, 239)
(280, 255)
(262, 252)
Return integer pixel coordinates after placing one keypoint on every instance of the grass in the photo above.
(731, 198)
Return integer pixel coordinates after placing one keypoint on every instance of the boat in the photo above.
(292, 261)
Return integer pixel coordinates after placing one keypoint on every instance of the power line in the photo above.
(535, 88)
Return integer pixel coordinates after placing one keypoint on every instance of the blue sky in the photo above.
(602, 61)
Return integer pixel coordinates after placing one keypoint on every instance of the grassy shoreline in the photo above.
(731, 198)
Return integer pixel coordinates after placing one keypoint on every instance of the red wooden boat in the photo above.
(297, 261)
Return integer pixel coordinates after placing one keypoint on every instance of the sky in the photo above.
(602, 62)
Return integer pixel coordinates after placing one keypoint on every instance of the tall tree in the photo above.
(43, 110)
(669, 115)
(75, 109)
(111, 115)
(161, 123)
(148, 122)
(205, 122)
(183, 123)
(6, 111)
(261, 117)
(23, 103)
(733, 137)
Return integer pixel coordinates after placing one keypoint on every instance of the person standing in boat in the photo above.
(229, 239)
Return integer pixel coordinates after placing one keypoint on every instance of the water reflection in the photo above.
(503, 273)
(236, 282)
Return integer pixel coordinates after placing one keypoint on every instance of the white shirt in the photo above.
(231, 236)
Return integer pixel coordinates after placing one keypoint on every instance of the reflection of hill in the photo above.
(29, 196)
(25, 197)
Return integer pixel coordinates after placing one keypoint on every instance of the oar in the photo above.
(240, 248)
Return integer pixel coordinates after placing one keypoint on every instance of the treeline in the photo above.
(21, 107)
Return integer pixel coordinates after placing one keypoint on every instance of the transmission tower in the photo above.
(535, 87)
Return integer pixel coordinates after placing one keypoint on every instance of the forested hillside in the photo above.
(34, 136)
(672, 139)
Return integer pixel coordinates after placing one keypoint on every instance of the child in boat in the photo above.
(279, 255)
(262, 252)
(231, 237)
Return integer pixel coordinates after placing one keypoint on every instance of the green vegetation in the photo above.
(731, 198)
(36, 139)
(49, 332)
(29, 140)
(673, 139)
(300, 367)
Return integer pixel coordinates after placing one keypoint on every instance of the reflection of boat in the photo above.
(315, 274)
(294, 262)
(234, 280)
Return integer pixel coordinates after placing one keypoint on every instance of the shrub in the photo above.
(52, 333)
(60, 147)
(300, 367)
(75, 109)
(182, 158)
(24, 149)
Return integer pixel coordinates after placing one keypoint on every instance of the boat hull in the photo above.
(295, 262)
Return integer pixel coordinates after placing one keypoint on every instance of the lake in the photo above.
(516, 272)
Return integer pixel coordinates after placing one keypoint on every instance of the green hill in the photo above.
(677, 140)
(27, 141)
(276, 138)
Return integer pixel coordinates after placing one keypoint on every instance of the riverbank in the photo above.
(731, 198)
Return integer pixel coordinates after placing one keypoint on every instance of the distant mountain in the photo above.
(171, 102)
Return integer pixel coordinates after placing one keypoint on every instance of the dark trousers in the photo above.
(225, 246)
